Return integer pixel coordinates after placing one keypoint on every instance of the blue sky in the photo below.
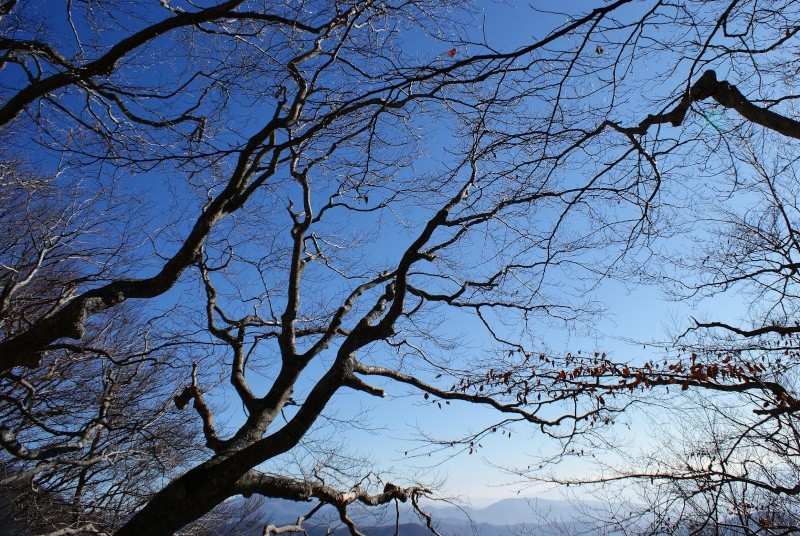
(636, 319)
(632, 312)
(635, 316)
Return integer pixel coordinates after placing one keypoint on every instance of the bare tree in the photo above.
(328, 251)
(715, 127)
(297, 127)
(85, 436)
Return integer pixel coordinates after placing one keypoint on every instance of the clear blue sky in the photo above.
(636, 316)
(636, 313)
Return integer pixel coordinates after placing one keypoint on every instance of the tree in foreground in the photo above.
(295, 200)
(89, 433)
(309, 197)
(724, 390)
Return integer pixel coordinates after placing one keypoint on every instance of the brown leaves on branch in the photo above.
(556, 379)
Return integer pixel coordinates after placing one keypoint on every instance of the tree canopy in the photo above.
(275, 205)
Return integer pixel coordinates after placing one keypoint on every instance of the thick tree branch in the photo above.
(9, 442)
(725, 94)
(194, 392)
(286, 488)
(450, 395)
(105, 64)
(748, 333)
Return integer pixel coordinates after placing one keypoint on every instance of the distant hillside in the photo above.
(515, 511)
(483, 529)
(538, 517)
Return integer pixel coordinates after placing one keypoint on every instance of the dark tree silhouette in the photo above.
(329, 197)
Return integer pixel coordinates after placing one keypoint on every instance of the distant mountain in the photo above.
(515, 511)
(405, 529)
(483, 529)
(534, 516)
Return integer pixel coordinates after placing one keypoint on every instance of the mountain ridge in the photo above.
(532, 515)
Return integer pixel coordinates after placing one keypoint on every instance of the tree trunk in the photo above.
(187, 498)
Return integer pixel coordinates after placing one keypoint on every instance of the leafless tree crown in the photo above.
(275, 204)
